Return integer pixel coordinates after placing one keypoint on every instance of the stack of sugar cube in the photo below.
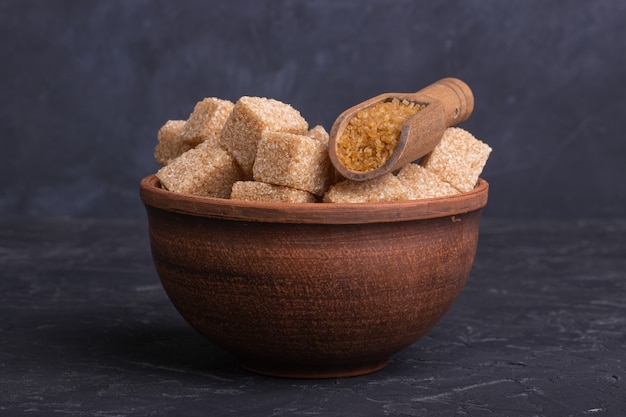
(261, 149)
(256, 149)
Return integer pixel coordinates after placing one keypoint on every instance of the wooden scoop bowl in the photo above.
(448, 102)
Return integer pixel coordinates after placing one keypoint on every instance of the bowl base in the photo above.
(339, 371)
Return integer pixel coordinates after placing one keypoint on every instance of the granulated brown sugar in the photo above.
(371, 137)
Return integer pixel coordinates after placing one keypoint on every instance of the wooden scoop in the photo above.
(448, 102)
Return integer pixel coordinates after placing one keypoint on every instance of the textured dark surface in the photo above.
(85, 86)
(86, 330)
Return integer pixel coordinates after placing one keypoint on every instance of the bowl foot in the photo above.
(315, 372)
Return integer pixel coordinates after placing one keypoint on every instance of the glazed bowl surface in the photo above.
(312, 290)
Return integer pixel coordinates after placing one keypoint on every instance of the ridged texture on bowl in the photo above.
(315, 298)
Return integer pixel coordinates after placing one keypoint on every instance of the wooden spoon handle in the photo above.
(455, 96)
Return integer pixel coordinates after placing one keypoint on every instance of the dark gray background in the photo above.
(85, 85)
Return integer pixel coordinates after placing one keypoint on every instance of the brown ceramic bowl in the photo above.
(312, 290)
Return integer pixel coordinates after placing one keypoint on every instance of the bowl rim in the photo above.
(152, 195)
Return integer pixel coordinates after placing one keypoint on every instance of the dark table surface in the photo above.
(87, 330)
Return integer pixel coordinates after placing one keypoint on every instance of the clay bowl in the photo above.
(312, 290)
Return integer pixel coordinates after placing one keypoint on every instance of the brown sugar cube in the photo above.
(205, 170)
(421, 183)
(458, 159)
(295, 161)
(206, 121)
(170, 144)
(319, 133)
(385, 188)
(260, 191)
(250, 117)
